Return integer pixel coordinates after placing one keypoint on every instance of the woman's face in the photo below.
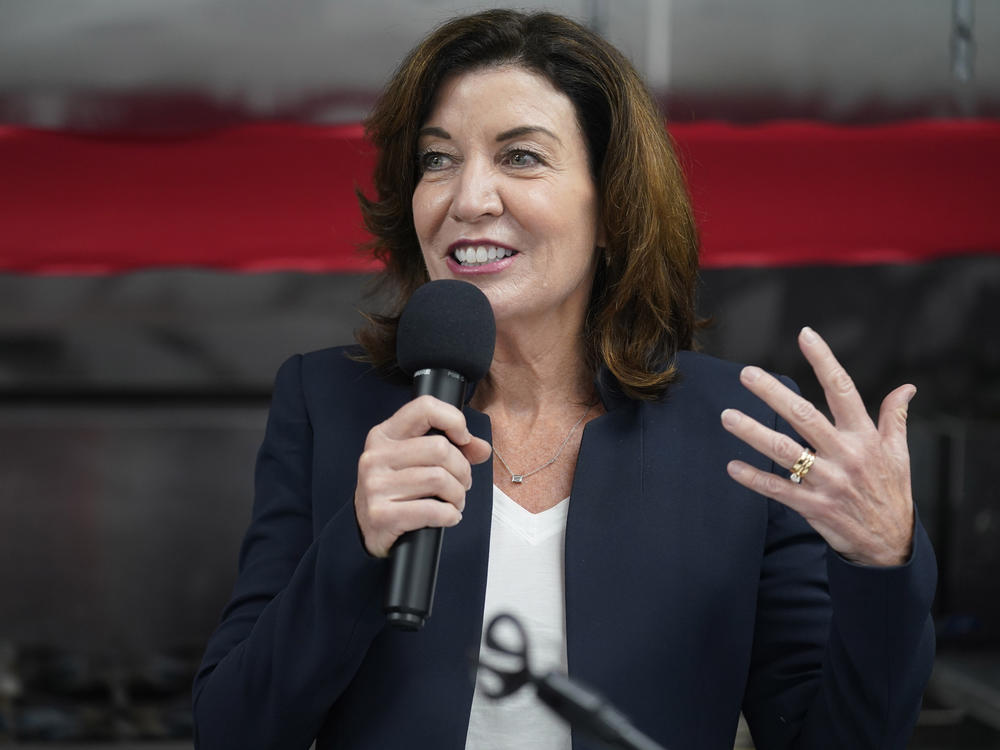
(506, 199)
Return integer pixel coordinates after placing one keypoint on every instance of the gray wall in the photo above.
(94, 64)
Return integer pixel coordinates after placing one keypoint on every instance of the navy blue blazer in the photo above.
(688, 597)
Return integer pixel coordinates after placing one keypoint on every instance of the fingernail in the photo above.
(808, 334)
(734, 468)
(750, 374)
(730, 417)
(912, 394)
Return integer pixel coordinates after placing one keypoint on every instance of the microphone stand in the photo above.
(590, 713)
(584, 709)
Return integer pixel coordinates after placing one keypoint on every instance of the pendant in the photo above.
(517, 478)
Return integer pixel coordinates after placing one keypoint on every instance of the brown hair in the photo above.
(642, 306)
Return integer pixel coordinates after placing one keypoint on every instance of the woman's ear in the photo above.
(602, 238)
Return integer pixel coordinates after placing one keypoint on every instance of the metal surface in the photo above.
(178, 332)
(121, 525)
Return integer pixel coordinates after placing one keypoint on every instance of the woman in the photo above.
(521, 152)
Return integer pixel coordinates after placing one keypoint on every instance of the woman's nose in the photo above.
(477, 192)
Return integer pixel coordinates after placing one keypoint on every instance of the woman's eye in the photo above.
(433, 161)
(521, 158)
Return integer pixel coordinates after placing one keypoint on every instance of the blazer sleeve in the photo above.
(842, 652)
(305, 605)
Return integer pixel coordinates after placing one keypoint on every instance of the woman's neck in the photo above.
(531, 374)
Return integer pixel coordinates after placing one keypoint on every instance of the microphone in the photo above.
(445, 340)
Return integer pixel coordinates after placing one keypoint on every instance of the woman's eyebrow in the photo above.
(435, 131)
(524, 130)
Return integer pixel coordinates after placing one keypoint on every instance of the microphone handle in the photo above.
(413, 559)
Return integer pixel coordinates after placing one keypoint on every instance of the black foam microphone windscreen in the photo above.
(447, 324)
(445, 340)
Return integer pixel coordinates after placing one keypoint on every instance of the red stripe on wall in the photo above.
(281, 196)
(808, 193)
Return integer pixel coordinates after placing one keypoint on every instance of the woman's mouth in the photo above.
(479, 255)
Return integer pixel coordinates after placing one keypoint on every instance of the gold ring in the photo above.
(801, 467)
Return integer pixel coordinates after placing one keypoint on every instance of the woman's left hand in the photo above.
(856, 493)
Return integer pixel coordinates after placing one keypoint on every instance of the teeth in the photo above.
(470, 256)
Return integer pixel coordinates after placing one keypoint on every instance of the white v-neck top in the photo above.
(525, 578)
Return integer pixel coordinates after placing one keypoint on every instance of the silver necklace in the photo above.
(519, 478)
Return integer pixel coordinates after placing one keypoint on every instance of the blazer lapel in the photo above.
(457, 616)
(608, 480)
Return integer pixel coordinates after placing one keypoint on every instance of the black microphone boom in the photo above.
(585, 710)
(445, 340)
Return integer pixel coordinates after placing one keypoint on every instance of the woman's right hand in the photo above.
(408, 479)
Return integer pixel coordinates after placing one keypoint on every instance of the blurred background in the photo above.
(177, 217)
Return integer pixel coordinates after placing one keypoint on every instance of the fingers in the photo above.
(416, 514)
(420, 416)
(381, 524)
(378, 480)
(423, 451)
(781, 449)
(845, 402)
(391, 501)
(800, 413)
(768, 484)
(857, 492)
(476, 450)
(408, 479)
(777, 446)
(892, 417)
(842, 397)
